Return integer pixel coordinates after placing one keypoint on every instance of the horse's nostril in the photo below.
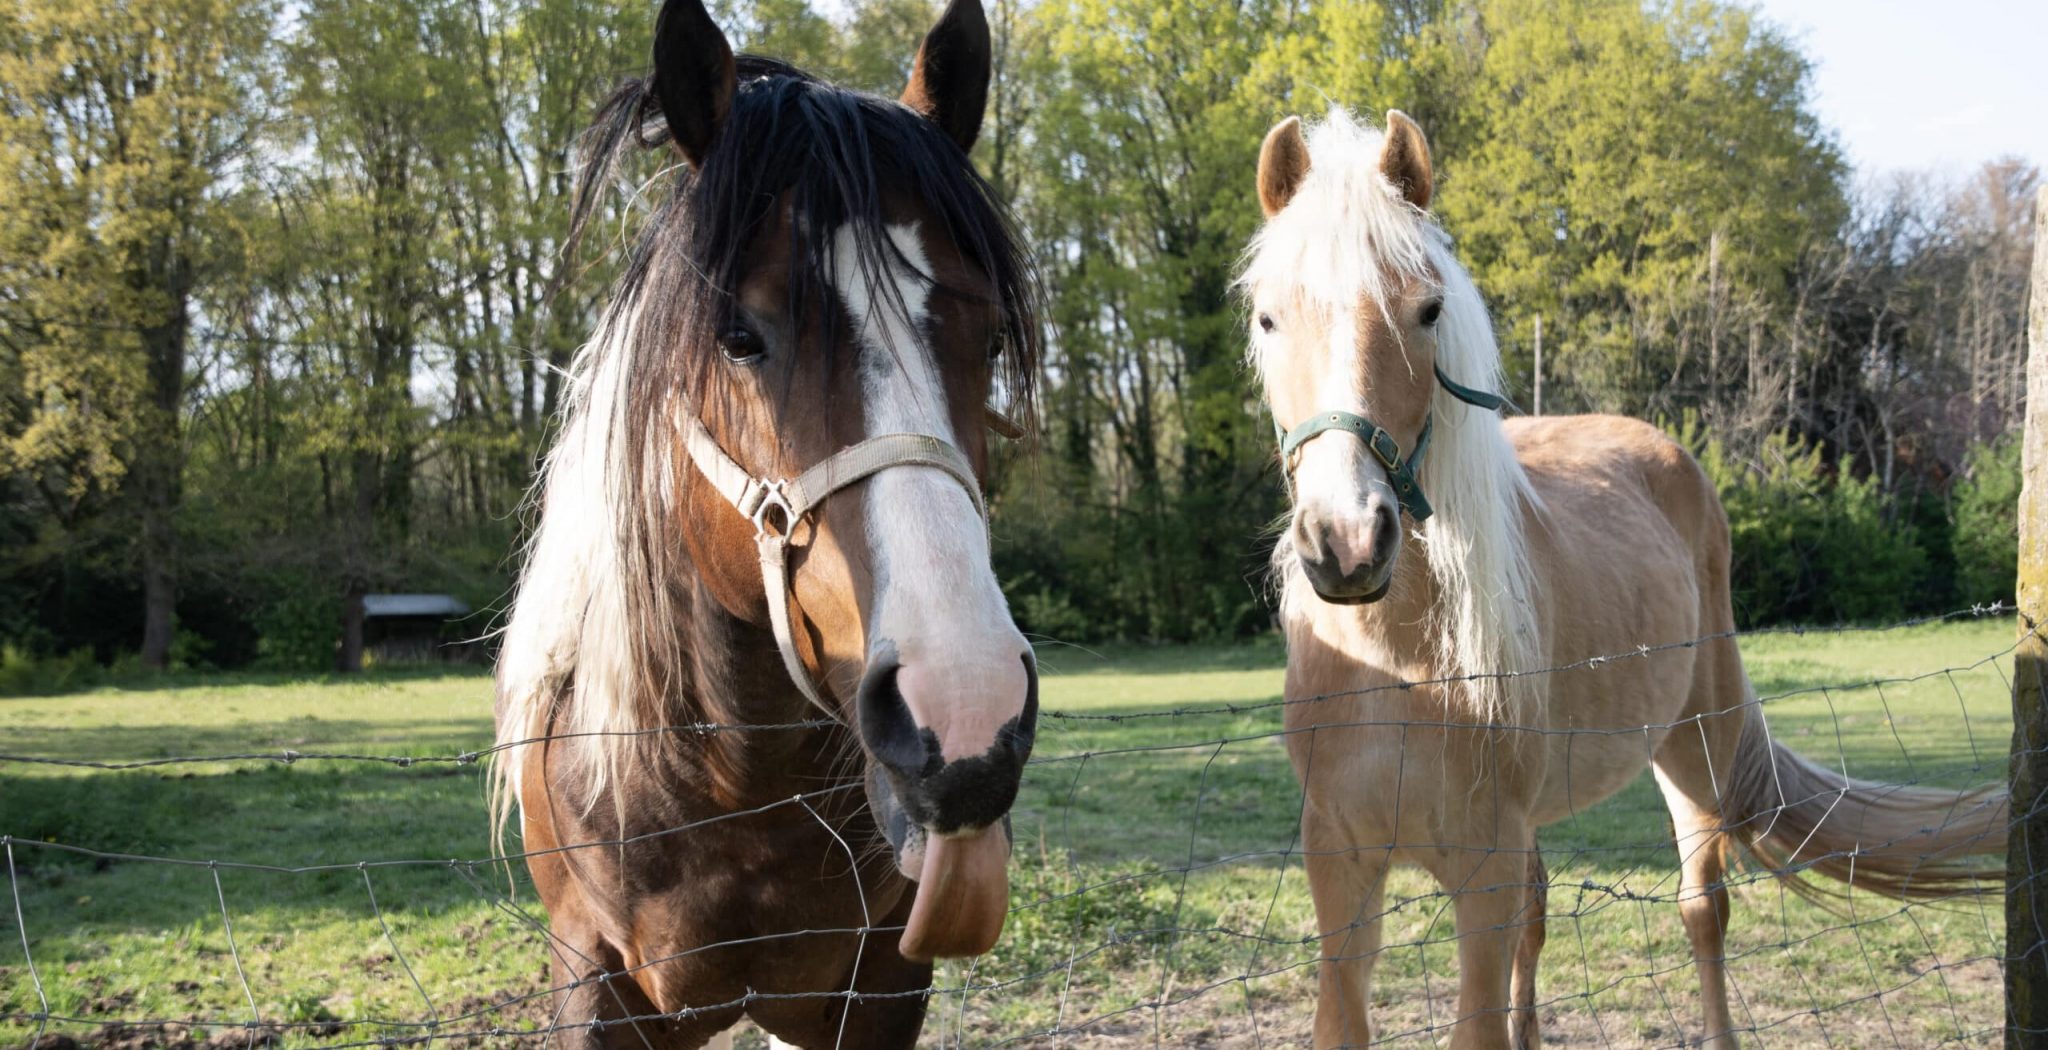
(1021, 732)
(1309, 539)
(1386, 531)
(886, 725)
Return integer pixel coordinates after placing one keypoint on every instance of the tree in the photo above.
(1628, 172)
(124, 126)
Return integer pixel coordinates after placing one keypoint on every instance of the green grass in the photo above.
(1110, 919)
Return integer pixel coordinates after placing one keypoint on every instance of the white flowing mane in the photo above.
(570, 614)
(1348, 235)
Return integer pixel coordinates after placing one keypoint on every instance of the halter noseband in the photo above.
(776, 505)
(1402, 471)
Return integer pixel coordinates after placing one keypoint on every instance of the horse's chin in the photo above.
(905, 838)
(1346, 596)
(962, 880)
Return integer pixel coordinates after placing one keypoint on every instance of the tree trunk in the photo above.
(349, 659)
(159, 469)
(2026, 854)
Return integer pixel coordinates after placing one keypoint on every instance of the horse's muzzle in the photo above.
(945, 817)
(1348, 558)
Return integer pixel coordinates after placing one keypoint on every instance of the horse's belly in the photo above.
(1581, 769)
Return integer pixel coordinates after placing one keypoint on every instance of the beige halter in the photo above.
(760, 500)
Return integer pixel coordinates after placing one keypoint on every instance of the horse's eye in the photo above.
(1431, 311)
(740, 344)
(1265, 322)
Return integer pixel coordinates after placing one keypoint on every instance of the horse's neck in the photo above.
(736, 683)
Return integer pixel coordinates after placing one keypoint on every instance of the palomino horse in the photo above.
(780, 700)
(1537, 543)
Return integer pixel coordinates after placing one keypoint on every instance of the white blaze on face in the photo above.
(1334, 470)
(936, 597)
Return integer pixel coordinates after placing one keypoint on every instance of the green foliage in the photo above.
(1986, 539)
(320, 251)
(295, 627)
(23, 672)
(1807, 546)
(1607, 153)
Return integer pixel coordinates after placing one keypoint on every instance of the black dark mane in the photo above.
(837, 154)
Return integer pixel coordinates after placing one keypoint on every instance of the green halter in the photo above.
(1407, 486)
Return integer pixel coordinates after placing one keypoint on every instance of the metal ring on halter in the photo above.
(772, 497)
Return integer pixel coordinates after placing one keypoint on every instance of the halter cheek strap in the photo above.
(775, 506)
(1402, 471)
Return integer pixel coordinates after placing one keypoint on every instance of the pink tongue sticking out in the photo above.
(963, 893)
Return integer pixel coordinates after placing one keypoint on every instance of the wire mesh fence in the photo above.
(246, 895)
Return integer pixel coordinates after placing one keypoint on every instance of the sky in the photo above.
(1926, 86)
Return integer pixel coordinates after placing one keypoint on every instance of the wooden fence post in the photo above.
(2026, 855)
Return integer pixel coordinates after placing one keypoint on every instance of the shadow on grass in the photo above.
(132, 743)
(174, 681)
(1265, 652)
(339, 813)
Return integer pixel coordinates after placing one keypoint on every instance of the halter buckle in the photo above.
(1382, 445)
(772, 498)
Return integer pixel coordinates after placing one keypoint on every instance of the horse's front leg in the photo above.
(1489, 891)
(1527, 1030)
(1347, 879)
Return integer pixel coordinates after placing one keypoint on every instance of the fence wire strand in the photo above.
(1123, 951)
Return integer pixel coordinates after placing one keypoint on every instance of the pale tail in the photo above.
(1900, 841)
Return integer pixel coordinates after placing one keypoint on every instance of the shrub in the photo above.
(1807, 547)
(1985, 510)
(22, 672)
(296, 627)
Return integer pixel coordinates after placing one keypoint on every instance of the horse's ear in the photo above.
(949, 83)
(1404, 159)
(693, 76)
(1283, 163)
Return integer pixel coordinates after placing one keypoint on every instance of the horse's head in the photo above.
(831, 271)
(1349, 283)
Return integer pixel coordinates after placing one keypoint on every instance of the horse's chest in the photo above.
(733, 905)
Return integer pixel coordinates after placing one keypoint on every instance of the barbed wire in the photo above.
(1164, 928)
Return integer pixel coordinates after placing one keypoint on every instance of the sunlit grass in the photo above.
(1157, 896)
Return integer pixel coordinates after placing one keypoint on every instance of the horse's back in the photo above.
(1627, 478)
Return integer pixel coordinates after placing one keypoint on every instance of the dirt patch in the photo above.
(163, 1037)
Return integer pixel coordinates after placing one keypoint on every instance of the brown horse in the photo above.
(776, 705)
(1538, 544)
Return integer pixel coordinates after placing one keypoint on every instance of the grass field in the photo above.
(1155, 899)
